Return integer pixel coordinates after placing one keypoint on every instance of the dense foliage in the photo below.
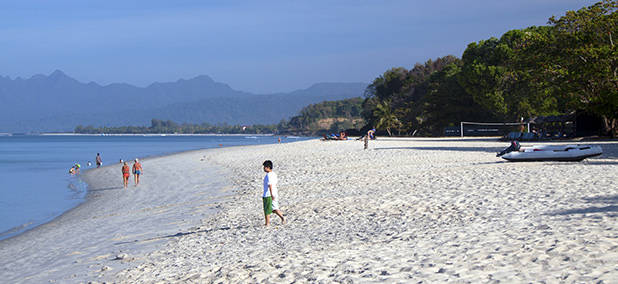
(170, 127)
(582, 60)
(328, 116)
(567, 66)
(320, 118)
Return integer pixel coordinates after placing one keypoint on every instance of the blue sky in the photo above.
(256, 46)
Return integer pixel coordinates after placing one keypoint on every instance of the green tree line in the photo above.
(169, 127)
(343, 114)
(345, 111)
(569, 65)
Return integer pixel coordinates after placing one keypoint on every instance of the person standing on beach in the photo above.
(371, 133)
(137, 171)
(366, 142)
(98, 160)
(125, 174)
(270, 197)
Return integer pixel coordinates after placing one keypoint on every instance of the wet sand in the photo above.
(114, 227)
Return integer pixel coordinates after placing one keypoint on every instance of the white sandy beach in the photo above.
(432, 210)
(174, 195)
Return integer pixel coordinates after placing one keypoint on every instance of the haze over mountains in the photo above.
(58, 102)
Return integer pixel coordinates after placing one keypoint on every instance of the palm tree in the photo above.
(386, 117)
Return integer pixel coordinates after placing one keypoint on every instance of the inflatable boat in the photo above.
(566, 153)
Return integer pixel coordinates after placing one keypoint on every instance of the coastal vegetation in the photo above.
(328, 116)
(159, 126)
(314, 119)
(568, 66)
(565, 67)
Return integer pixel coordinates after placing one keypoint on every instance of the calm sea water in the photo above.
(35, 185)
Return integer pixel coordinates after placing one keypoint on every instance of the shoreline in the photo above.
(148, 134)
(30, 225)
(84, 257)
(436, 197)
(26, 226)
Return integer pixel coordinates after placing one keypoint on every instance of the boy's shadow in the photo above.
(105, 188)
(180, 234)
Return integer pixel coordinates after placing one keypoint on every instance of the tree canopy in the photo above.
(567, 66)
(314, 119)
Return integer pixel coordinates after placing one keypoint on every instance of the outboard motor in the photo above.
(512, 148)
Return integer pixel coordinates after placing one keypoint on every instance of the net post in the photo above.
(461, 129)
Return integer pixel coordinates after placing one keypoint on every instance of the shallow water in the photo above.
(35, 185)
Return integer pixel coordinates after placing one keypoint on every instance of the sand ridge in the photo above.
(405, 210)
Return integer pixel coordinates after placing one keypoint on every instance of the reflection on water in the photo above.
(77, 188)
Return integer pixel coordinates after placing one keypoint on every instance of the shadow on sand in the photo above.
(600, 163)
(610, 150)
(454, 139)
(592, 209)
(179, 234)
(105, 188)
(493, 150)
(611, 202)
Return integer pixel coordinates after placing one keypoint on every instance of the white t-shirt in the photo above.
(270, 178)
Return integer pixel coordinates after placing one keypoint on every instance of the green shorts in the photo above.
(268, 205)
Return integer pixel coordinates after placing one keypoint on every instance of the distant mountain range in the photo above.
(58, 102)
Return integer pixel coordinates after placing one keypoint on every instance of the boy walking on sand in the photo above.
(270, 198)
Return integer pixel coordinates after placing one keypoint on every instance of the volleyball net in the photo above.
(490, 128)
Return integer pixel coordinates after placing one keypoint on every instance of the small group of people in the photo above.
(74, 170)
(270, 194)
(136, 170)
(341, 136)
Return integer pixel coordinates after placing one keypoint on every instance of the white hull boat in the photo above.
(567, 153)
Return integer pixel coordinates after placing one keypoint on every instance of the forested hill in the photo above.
(327, 117)
(314, 119)
(57, 102)
(569, 66)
